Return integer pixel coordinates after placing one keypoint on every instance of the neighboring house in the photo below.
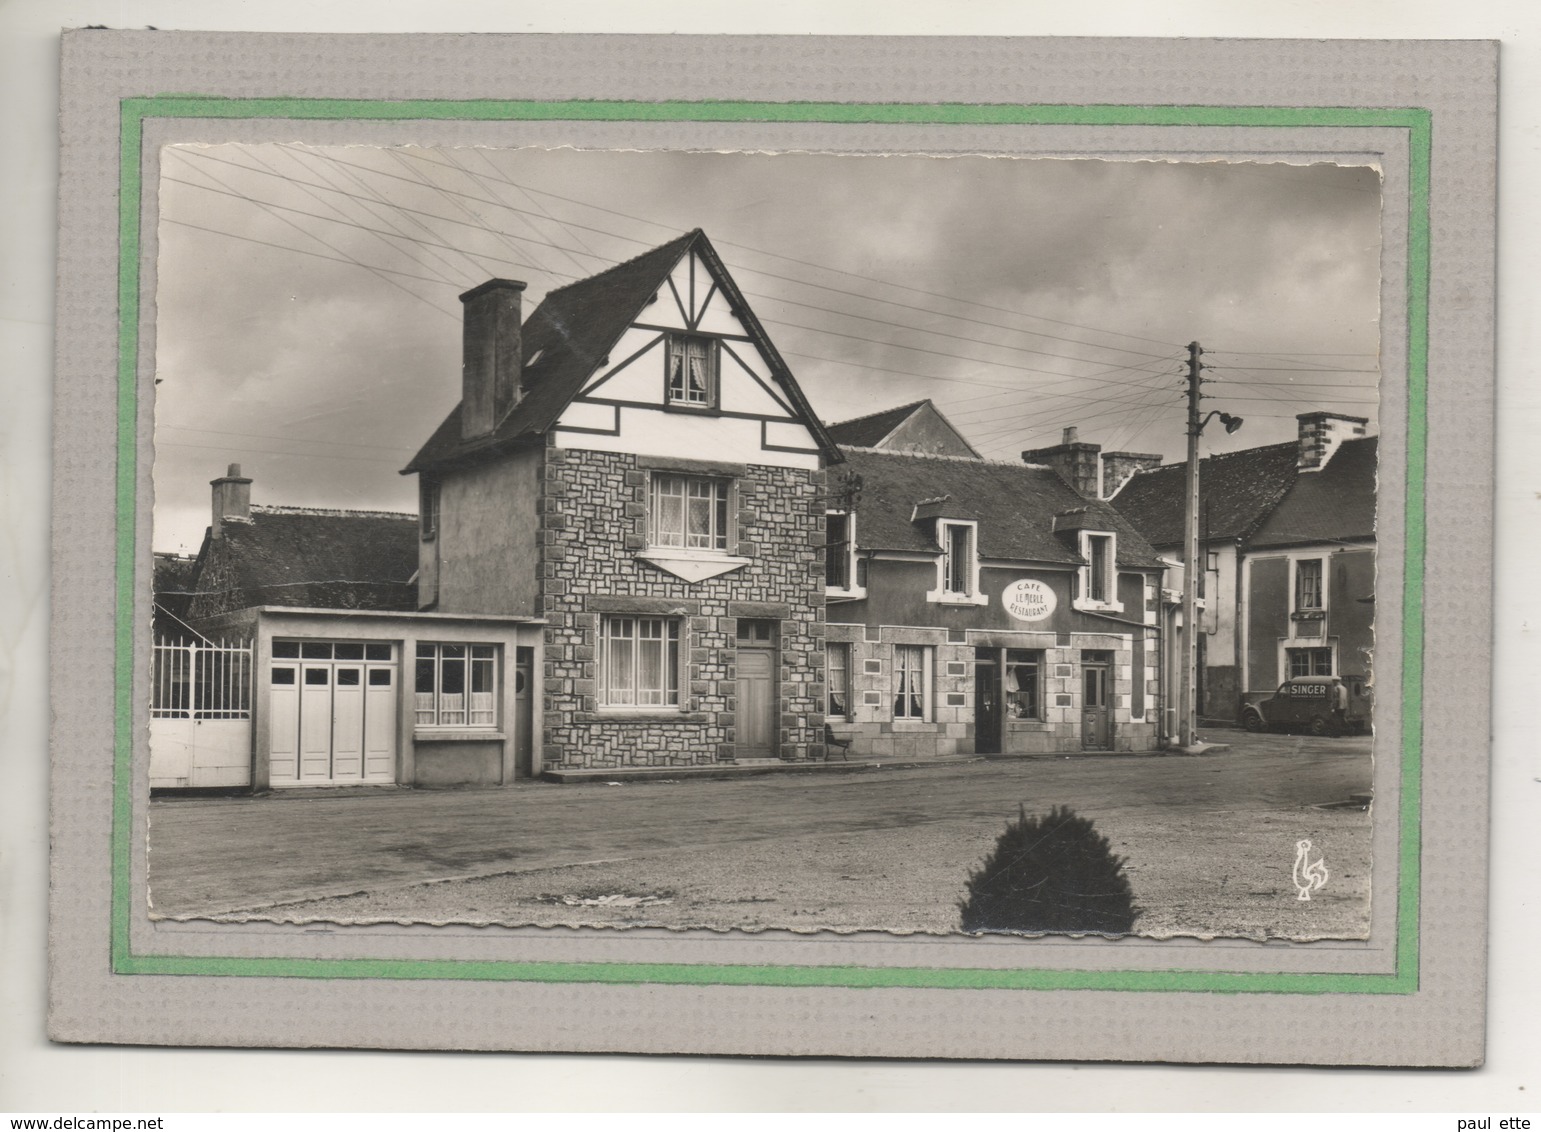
(981, 607)
(1287, 535)
(172, 575)
(304, 634)
(635, 465)
(916, 427)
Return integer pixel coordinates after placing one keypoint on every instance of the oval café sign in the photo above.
(1028, 600)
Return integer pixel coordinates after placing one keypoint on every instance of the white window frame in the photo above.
(635, 698)
(1083, 599)
(942, 595)
(900, 671)
(852, 591)
(679, 347)
(442, 715)
(1293, 645)
(1295, 564)
(721, 514)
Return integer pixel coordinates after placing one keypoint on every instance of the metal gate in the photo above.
(200, 714)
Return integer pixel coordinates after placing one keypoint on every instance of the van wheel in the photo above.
(1321, 725)
(1253, 722)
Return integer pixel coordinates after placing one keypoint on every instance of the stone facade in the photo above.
(593, 524)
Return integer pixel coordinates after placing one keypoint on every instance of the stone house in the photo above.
(635, 465)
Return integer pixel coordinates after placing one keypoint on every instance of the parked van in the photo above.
(1322, 705)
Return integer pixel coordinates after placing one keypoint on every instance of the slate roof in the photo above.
(573, 330)
(865, 432)
(309, 557)
(1335, 504)
(1237, 492)
(1014, 504)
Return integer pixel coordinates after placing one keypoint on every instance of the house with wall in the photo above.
(916, 427)
(301, 635)
(984, 607)
(1287, 542)
(635, 466)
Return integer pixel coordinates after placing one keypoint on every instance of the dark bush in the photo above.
(1050, 873)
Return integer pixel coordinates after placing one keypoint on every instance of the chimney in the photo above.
(1075, 461)
(1320, 435)
(1119, 467)
(493, 356)
(232, 499)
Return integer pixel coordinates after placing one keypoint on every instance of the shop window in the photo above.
(456, 685)
(692, 369)
(1024, 684)
(688, 512)
(837, 678)
(912, 683)
(640, 662)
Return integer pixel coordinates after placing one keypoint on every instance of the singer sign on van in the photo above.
(1028, 600)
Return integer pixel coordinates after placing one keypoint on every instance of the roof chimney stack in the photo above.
(232, 500)
(1320, 435)
(1075, 461)
(493, 355)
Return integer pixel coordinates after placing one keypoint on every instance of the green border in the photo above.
(1418, 123)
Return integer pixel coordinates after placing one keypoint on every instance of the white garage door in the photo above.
(333, 708)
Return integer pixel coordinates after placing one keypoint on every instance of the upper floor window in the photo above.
(1097, 581)
(689, 512)
(692, 371)
(428, 507)
(958, 567)
(1308, 584)
(838, 546)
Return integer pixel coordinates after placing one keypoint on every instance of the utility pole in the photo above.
(1187, 703)
(1188, 685)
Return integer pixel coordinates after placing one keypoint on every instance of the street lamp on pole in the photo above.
(1187, 716)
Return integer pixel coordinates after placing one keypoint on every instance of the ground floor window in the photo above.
(912, 682)
(837, 675)
(1309, 662)
(639, 662)
(456, 685)
(1024, 684)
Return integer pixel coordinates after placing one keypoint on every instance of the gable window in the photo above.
(912, 683)
(1308, 584)
(456, 685)
(692, 371)
(639, 662)
(837, 675)
(689, 512)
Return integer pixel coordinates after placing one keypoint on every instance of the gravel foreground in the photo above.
(1220, 873)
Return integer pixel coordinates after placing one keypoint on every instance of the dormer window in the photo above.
(958, 567)
(840, 566)
(1097, 583)
(692, 371)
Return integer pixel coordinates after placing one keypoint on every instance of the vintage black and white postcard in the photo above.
(963, 553)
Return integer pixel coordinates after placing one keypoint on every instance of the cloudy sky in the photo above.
(308, 326)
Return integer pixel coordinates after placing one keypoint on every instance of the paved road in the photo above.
(213, 855)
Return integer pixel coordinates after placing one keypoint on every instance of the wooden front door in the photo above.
(1096, 718)
(755, 719)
